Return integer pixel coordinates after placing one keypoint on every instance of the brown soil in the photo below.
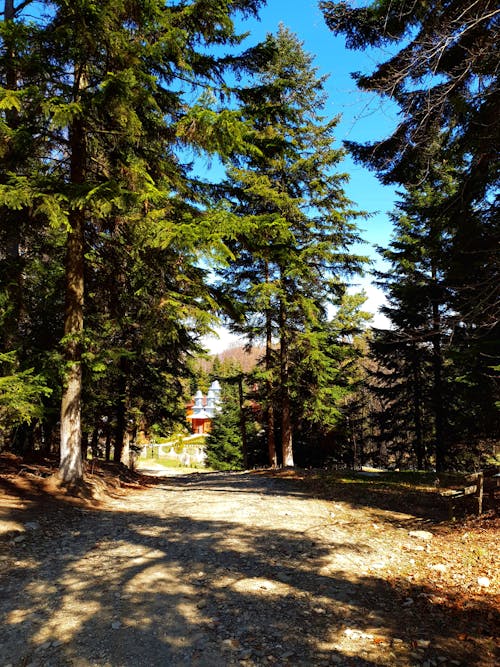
(258, 568)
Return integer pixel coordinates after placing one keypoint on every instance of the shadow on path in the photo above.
(152, 584)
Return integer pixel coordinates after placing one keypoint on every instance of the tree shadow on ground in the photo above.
(129, 588)
(390, 492)
(421, 505)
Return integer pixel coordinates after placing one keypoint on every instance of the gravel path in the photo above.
(211, 570)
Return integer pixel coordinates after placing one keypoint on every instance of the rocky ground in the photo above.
(215, 569)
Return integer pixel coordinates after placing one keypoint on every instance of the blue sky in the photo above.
(365, 117)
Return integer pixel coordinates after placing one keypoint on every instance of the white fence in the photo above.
(189, 454)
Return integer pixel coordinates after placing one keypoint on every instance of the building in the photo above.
(202, 409)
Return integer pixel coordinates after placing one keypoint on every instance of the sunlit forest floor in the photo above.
(282, 568)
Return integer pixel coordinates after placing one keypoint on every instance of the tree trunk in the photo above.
(243, 425)
(94, 442)
(437, 364)
(417, 408)
(107, 446)
(269, 412)
(71, 464)
(125, 455)
(286, 413)
(121, 443)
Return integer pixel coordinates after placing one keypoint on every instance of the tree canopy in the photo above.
(444, 77)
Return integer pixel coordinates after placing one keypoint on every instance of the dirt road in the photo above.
(223, 569)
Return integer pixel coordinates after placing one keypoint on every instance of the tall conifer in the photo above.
(296, 223)
(115, 74)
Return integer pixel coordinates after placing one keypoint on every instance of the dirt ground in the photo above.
(215, 569)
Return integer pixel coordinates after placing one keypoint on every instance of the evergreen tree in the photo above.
(419, 305)
(444, 77)
(224, 444)
(327, 373)
(30, 250)
(296, 223)
(424, 341)
(112, 100)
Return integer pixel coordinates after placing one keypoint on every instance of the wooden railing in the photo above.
(476, 485)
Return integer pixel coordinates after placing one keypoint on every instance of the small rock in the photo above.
(43, 646)
(32, 525)
(201, 604)
(483, 581)
(421, 535)
(115, 625)
(408, 602)
(438, 567)
(246, 653)
(357, 634)
(423, 643)
(19, 538)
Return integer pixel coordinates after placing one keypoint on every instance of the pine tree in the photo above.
(225, 444)
(444, 77)
(295, 220)
(443, 74)
(427, 332)
(114, 113)
(419, 305)
(29, 249)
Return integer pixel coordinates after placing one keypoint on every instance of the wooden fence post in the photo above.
(480, 487)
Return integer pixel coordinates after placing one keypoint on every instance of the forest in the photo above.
(118, 254)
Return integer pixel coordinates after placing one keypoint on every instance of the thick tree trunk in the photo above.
(286, 413)
(71, 463)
